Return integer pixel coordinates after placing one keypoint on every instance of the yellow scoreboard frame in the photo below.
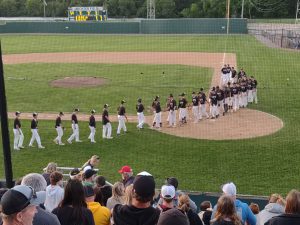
(87, 14)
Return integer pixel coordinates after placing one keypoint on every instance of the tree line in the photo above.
(164, 8)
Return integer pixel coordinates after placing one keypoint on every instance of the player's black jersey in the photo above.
(213, 98)
(233, 73)
(139, 107)
(17, 123)
(195, 101)
(220, 95)
(182, 103)
(105, 117)
(254, 83)
(157, 107)
(227, 92)
(249, 86)
(34, 124)
(243, 88)
(57, 122)
(92, 122)
(74, 118)
(202, 98)
(172, 105)
(234, 91)
(121, 110)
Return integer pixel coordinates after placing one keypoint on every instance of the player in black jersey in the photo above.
(121, 117)
(75, 127)
(227, 98)
(235, 97)
(171, 107)
(182, 104)
(92, 126)
(106, 132)
(140, 113)
(233, 75)
(220, 98)
(195, 107)
(59, 129)
(34, 131)
(249, 91)
(18, 134)
(157, 113)
(202, 101)
(213, 103)
(244, 96)
(254, 88)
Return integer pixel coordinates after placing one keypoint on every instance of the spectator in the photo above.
(54, 192)
(167, 195)
(242, 209)
(2, 192)
(51, 167)
(292, 211)
(100, 213)
(127, 175)
(118, 196)
(19, 205)
(100, 181)
(76, 174)
(73, 209)
(173, 217)
(89, 176)
(91, 163)
(38, 183)
(140, 212)
(275, 207)
(184, 205)
(128, 194)
(226, 213)
(103, 194)
(205, 213)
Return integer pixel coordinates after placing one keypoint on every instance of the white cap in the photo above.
(168, 191)
(229, 189)
(144, 173)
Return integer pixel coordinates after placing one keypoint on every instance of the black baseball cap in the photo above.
(139, 100)
(20, 197)
(61, 113)
(105, 105)
(88, 191)
(76, 110)
(17, 113)
(34, 114)
(173, 217)
(144, 185)
(172, 181)
(123, 101)
(171, 95)
(89, 173)
(93, 111)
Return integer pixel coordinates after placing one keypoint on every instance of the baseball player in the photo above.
(250, 91)
(224, 74)
(140, 113)
(254, 89)
(121, 117)
(202, 101)
(171, 107)
(244, 96)
(220, 98)
(75, 127)
(59, 129)
(227, 98)
(92, 126)
(213, 103)
(18, 134)
(233, 78)
(195, 107)
(182, 109)
(34, 131)
(235, 97)
(157, 113)
(106, 126)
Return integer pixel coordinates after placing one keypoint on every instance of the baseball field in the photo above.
(258, 165)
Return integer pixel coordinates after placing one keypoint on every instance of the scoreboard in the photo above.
(87, 14)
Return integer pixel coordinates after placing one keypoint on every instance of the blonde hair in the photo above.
(128, 194)
(226, 209)
(51, 167)
(293, 202)
(184, 202)
(118, 191)
(94, 160)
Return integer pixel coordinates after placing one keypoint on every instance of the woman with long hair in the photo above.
(91, 163)
(118, 195)
(184, 206)
(73, 209)
(226, 213)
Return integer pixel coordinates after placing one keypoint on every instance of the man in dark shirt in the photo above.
(59, 129)
(140, 212)
(195, 107)
(235, 97)
(244, 96)
(18, 134)
(172, 106)
(34, 131)
(121, 117)
(182, 104)
(213, 103)
(75, 127)
(157, 113)
(220, 98)
(106, 131)
(140, 113)
(92, 126)
(202, 101)
(254, 89)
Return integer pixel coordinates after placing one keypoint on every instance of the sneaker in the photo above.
(61, 144)
(79, 141)
(93, 141)
(21, 147)
(31, 146)
(55, 141)
(17, 149)
(70, 142)
(109, 137)
(41, 147)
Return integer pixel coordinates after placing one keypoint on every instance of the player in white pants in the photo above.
(106, 126)
(92, 126)
(18, 134)
(121, 117)
(182, 104)
(34, 130)
(171, 106)
(195, 107)
(140, 114)
(75, 128)
(59, 129)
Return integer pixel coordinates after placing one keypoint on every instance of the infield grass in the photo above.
(258, 166)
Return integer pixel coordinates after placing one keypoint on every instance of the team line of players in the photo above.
(221, 101)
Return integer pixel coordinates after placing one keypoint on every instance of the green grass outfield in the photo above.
(258, 166)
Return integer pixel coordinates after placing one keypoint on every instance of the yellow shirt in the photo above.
(101, 214)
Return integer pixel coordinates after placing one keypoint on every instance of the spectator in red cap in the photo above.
(127, 175)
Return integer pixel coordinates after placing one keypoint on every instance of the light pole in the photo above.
(242, 13)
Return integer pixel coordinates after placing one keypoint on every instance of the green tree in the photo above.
(127, 8)
(8, 8)
(165, 9)
(34, 7)
(112, 7)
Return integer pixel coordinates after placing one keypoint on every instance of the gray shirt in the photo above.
(42, 217)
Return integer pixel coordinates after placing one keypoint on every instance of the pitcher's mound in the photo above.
(245, 123)
(76, 82)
